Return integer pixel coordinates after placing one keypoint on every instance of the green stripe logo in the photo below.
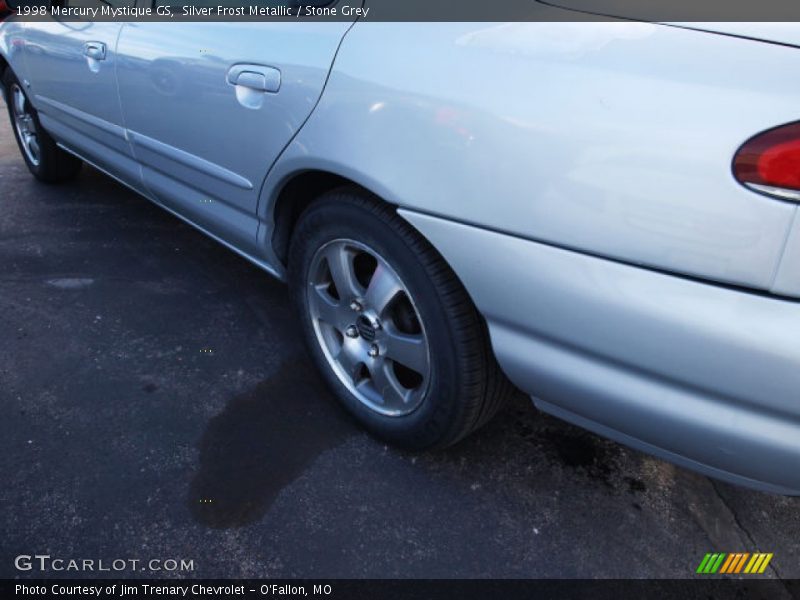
(711, 563)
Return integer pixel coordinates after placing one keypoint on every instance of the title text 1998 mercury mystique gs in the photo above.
(602, 214)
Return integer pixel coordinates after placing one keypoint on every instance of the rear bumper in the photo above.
(704, 376)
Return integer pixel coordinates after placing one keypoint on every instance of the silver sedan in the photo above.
(603, 215)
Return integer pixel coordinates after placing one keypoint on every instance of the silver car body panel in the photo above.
(609, 138)
(163, 110)
(205, 144)
(76, 96)
(699, 374)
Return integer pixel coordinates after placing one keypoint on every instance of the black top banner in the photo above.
(765, 11)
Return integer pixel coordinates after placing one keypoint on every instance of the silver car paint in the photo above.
(206, 163)
(525, 153)
(609, 138)
(205, 145)
(699, 374)
(76, 96)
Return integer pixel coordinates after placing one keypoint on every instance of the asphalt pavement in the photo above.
(158, 404)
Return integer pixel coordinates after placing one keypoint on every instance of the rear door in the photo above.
(71, 67)
(210, 106)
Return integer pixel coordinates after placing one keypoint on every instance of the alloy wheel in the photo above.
(25, 125)
(368, 326)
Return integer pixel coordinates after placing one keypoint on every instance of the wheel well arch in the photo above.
(296, 195)
(301, 190)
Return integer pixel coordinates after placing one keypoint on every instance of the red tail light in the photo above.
(770, 162)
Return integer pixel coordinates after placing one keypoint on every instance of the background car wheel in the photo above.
(46, 161)
(389, 324)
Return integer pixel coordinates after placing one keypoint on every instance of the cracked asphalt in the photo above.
(158, 403)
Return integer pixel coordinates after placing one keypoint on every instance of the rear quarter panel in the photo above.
(609, 138)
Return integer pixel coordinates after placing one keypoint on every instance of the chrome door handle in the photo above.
(255, 77)
(95, 50)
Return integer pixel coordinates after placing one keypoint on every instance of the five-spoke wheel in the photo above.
(368, 326)
(25, 125)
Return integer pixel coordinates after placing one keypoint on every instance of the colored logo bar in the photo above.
(735, 562)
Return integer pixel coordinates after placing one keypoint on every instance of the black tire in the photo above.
(54, 164)
(465, 386)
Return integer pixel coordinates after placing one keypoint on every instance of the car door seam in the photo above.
(131, 148)
(302, 125)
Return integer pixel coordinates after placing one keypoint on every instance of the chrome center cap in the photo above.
(367, 327)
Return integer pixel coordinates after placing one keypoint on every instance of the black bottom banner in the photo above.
(389, 589)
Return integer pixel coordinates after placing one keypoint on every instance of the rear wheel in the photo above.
(389, 324)
(46, 161)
